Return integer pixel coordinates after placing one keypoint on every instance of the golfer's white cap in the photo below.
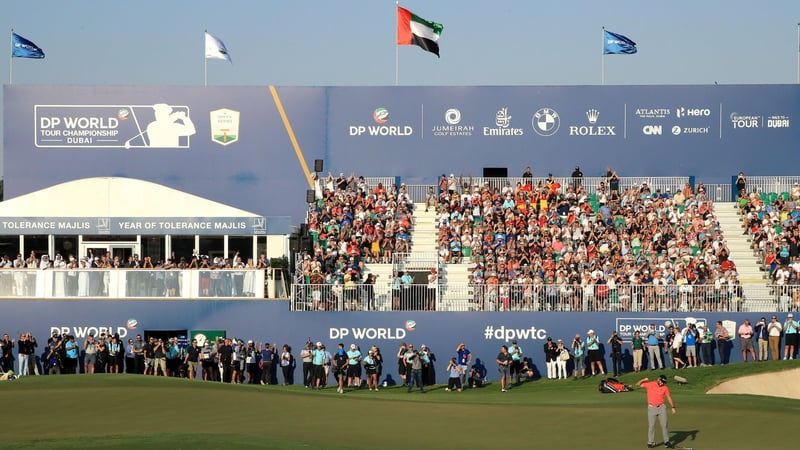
(591, 331)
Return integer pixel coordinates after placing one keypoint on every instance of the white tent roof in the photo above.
(115, 197)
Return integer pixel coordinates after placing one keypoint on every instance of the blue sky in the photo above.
(351, 42)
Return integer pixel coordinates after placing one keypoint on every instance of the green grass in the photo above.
(142, 412)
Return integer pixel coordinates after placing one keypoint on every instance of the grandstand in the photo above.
(625, 244)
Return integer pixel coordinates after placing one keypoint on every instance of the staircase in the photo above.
(747, 266)
(425, 233)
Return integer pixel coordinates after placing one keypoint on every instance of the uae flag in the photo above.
(414, 30)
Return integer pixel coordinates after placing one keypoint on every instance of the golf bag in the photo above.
(612, 386)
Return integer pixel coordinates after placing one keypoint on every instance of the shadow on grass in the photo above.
(680, 437)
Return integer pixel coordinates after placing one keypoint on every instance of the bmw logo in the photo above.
(545, 122)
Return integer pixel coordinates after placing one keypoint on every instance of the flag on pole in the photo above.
(617, 44)
(23, 48)
(414, 30)
(215, 48)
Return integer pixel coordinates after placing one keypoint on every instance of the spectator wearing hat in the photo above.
(306, 356)
(353, 365)
(318, 365)
(790, 329)
(561, 361)
(413, 363)
(657, 395)
(516, 360)
(579, 354)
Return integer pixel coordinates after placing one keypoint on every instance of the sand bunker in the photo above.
(774, 384)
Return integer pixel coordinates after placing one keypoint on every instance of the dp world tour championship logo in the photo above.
(114, 126)
(224, 126)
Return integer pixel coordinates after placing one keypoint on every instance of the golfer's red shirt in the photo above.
(655, 393)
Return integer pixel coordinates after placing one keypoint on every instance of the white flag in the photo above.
(215, 48)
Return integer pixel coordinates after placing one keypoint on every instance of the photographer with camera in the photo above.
(413, 364)
(504, 361)
(616, 352)
(579, 353)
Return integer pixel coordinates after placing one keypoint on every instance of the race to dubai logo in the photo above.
(546, 122)
(224, 126)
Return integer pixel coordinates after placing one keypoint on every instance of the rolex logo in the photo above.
(592, 115)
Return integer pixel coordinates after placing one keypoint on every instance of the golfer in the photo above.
(657, 391)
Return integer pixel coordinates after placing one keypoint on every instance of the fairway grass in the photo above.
(124, 411)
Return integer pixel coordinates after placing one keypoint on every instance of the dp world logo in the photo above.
(452, 116)
(545, 122)
(380, 115)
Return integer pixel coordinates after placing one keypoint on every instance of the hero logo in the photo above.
(381, 117)
(367, 333)
(651, 130)
(592, 130)
(743, 121)
(502, 125)
(84, 331)
(692, 112)
(507, 334)
(778, 122)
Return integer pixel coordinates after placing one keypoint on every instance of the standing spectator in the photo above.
(89, 354)
(160, 357)
(353, 363)
(616, 353)
(191, 359)
(706, 346)
(114, 349)
(595, 359)
(413, 369)
(7, 359)
(318, 365)
(71, 348)
(503, 364)
(561, 361)
(675, 350)
(577, 178)
(657, 393)
(653, 348)
(516, 360)
(130, 359)
(464, 359)
(774, 329)
(721, 336)
(637, 345)
(340, 361)
(746, 335)
(267, 354)
(578, 352)
(427, 357)
(790, 330)
(550, 357)
(287, 365)
(454, 379)
(741, 185)
(762, 336)
(430, 295)
(401, 363)
(371, 369)
(668, 338)
(138, 355)
(690, 339)
(306, 355)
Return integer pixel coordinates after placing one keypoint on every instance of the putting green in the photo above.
(124, 411)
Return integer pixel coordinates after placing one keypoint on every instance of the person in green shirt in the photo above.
(637, 344)
(706, 347)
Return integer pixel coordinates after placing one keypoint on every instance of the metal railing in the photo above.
(134, 283)
(543, 298)
(415, 261)
(719, 192)
(776, 184)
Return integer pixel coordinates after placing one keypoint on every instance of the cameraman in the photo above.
(616, 352)
(413, 368)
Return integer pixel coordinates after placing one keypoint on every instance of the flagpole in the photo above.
(205, 61)
(396, 47)
(11, 61)
(603, 57)
(798, 52)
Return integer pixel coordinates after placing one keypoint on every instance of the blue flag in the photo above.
(617, 44)
(23, 48)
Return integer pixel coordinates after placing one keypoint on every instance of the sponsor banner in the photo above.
(272, 321)
(133, 225)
